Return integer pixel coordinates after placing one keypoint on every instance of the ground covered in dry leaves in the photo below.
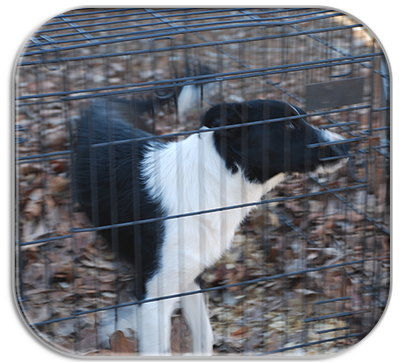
(284, 236)
(80, 273)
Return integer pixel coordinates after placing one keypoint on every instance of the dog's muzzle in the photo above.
(333, 146)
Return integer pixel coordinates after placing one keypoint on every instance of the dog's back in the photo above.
(109, 186)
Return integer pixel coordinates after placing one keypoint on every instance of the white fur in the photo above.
(188, 177)
(329, 136)
(199, 182)
(190, 97)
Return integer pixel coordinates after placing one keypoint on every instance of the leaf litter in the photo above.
(79, 273)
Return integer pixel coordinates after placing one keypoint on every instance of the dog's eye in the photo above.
(290, 126)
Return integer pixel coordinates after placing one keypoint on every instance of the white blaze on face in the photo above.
(332, 136)
(328, 136)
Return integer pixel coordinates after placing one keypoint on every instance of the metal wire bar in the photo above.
(169, 21)
(196, 11)
(191, 46)
(252, 281)
(203, 79)
(277, 199)
(39, 241)
(335, 315)
(78, 28)
(44, 155)
(54, 155)
(72, 38)
(332, 300)
(233, 126)
(353, 335)
(138, 13)
(363, 213)
(233, 24)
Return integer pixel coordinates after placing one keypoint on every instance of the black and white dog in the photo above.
(222, 166)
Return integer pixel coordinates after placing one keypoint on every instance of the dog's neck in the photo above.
(191, 175)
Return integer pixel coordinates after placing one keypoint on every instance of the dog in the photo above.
(177, 204)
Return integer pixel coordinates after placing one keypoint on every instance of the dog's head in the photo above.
(264, 149)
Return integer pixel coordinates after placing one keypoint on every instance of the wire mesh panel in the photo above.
(306, 273)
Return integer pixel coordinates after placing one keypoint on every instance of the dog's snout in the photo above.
(338, 146)
(340, 149)
(345, 148)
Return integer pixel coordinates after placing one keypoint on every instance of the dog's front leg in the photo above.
(195, 312)
(154, 324)
(154, 327)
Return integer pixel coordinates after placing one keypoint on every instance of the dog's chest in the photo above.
(202, 199)
(202, 239)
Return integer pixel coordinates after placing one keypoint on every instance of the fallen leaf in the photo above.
(122, 345)
(181, 339)
(57, 184)
(307, 220)
(306, 291)
(240, 333)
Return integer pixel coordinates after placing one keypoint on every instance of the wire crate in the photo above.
(309, 270)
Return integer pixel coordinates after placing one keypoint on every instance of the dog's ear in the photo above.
(226, 114)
